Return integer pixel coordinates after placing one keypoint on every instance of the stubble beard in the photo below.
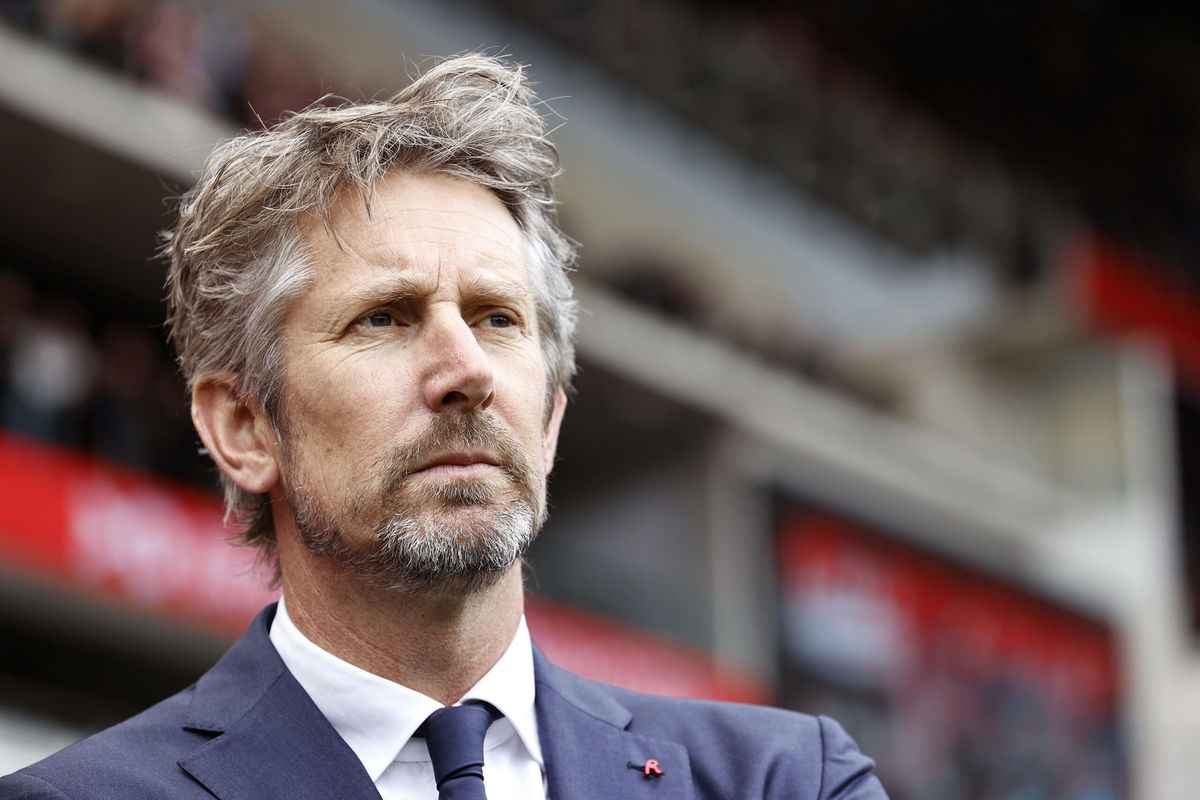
(428, 535)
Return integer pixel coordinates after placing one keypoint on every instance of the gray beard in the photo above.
(456, 538)
(417, 554)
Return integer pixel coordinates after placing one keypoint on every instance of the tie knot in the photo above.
(454, 736)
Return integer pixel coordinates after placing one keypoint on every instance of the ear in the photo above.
(550, 435)
(239, 436)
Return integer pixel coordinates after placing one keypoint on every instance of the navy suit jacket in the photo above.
(247, 731)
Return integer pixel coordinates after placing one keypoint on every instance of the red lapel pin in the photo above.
(648, 769)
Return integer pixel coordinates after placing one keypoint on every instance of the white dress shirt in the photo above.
(377, 718)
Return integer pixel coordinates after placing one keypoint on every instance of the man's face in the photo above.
(415, 439)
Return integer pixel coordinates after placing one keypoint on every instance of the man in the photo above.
(371, 307)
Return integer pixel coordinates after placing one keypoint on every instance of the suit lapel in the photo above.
(273, 742)
(589, 751)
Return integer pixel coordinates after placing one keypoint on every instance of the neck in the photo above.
(437, 644)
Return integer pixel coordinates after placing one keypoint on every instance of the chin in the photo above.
(461, 549)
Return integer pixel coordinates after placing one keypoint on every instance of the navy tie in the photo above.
(455, 739)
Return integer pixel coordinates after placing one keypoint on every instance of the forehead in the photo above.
(418, 223)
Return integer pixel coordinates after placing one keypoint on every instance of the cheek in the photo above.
(338, 412)
(533, 418)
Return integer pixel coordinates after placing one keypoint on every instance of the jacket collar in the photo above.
(275, 743)
(589, 748)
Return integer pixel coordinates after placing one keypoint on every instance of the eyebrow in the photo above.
(393, 290)
(481, 290)
(484, 289)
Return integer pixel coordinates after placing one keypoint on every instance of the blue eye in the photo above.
(378, 319)
(499, 320)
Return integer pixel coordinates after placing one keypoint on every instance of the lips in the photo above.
(451, 462)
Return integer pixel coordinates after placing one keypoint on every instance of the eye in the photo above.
(500, 320)
(377, 319)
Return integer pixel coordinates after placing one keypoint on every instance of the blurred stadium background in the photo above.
(890, 390)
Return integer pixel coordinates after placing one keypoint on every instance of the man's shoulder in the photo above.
(736, 749)
(137, 757)
(686, 719)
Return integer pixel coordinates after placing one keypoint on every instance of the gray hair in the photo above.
(238, 260)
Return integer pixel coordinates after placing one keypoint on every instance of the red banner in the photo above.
(124, 535)
(1124, 294)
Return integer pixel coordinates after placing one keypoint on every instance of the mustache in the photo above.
(466, 430)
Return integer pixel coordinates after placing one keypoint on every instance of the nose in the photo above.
(459, 373)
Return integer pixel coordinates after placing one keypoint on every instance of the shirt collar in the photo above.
(376, 717)
(509, 686)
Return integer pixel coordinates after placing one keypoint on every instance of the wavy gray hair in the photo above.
(238, 260)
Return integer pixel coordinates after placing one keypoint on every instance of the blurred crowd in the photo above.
(187, 49)
(966, 124)
(754, 76)
(102, 385)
